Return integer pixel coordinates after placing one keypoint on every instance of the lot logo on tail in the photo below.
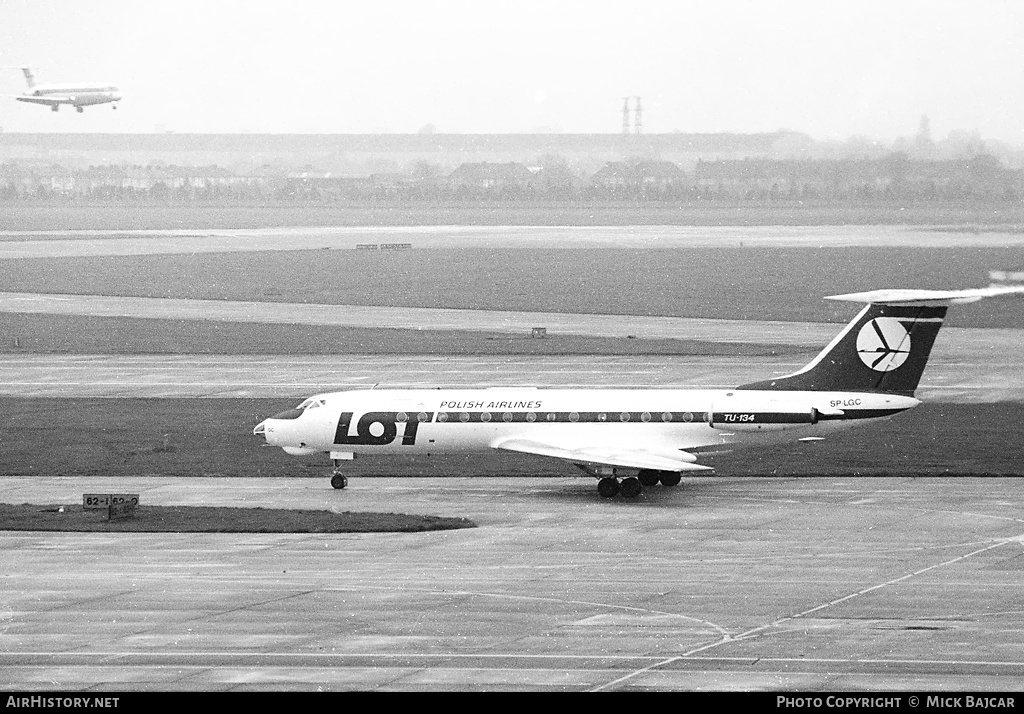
(883, 344)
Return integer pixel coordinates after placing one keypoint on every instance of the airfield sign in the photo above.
(99, 501)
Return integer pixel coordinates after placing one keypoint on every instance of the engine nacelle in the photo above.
(756, 413)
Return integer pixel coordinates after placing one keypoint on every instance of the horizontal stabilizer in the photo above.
(929, 297)
(657, 460)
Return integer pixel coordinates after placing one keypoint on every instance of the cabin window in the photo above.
(624, 416)
(401, 417)
(422, 416)
(464, 416)
(551, 416)
(646, 416)
(687, 417)
(486, 416)
(602, 417)
(443, 416)
(666, 416)
(507, 416)
(531, 417)
(574, 416)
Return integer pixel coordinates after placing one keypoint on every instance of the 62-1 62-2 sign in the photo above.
(97, 501)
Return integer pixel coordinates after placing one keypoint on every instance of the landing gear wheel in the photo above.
(630, 487)
(648, 477)
(79, 110)
(670, 478)
(339, 481)
(608, 487)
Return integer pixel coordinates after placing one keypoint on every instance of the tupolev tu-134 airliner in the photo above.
(78, 96)
(631, 438)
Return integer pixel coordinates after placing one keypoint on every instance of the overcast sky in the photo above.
(830, 69)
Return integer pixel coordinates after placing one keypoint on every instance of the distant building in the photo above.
(349, 154)
(489, 176)
(891, 176)
(643, 174)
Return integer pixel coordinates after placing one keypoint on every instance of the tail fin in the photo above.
(886, 347)
(28, 77)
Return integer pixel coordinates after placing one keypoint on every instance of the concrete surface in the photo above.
(719, 584)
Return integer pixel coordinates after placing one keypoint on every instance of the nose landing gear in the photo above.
(338, 478)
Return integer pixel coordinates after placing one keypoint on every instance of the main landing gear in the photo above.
(630, 487)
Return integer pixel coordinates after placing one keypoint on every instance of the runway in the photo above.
(421, 318)
(67, 243)
(811, 585)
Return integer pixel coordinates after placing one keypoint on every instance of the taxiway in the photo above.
(819, 584)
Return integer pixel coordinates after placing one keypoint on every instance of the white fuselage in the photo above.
(78, 95)
(426, 421)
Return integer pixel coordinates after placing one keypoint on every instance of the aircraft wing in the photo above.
(608, 455)
(49, 101)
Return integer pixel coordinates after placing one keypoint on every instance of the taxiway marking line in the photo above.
(485, 655)
(749, 634)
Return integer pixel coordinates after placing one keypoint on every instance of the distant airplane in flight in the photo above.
(630, 438)
(77, 95)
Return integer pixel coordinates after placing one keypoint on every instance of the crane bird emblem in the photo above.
(883, 344)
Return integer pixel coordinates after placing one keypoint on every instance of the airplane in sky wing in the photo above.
(631, 438)
(77, 95)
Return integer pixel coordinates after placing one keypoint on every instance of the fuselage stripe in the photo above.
(591, 417)
(544, 417)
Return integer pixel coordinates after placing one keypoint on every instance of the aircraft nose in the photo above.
(271, 429)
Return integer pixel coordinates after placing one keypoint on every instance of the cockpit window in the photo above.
(311, 403)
